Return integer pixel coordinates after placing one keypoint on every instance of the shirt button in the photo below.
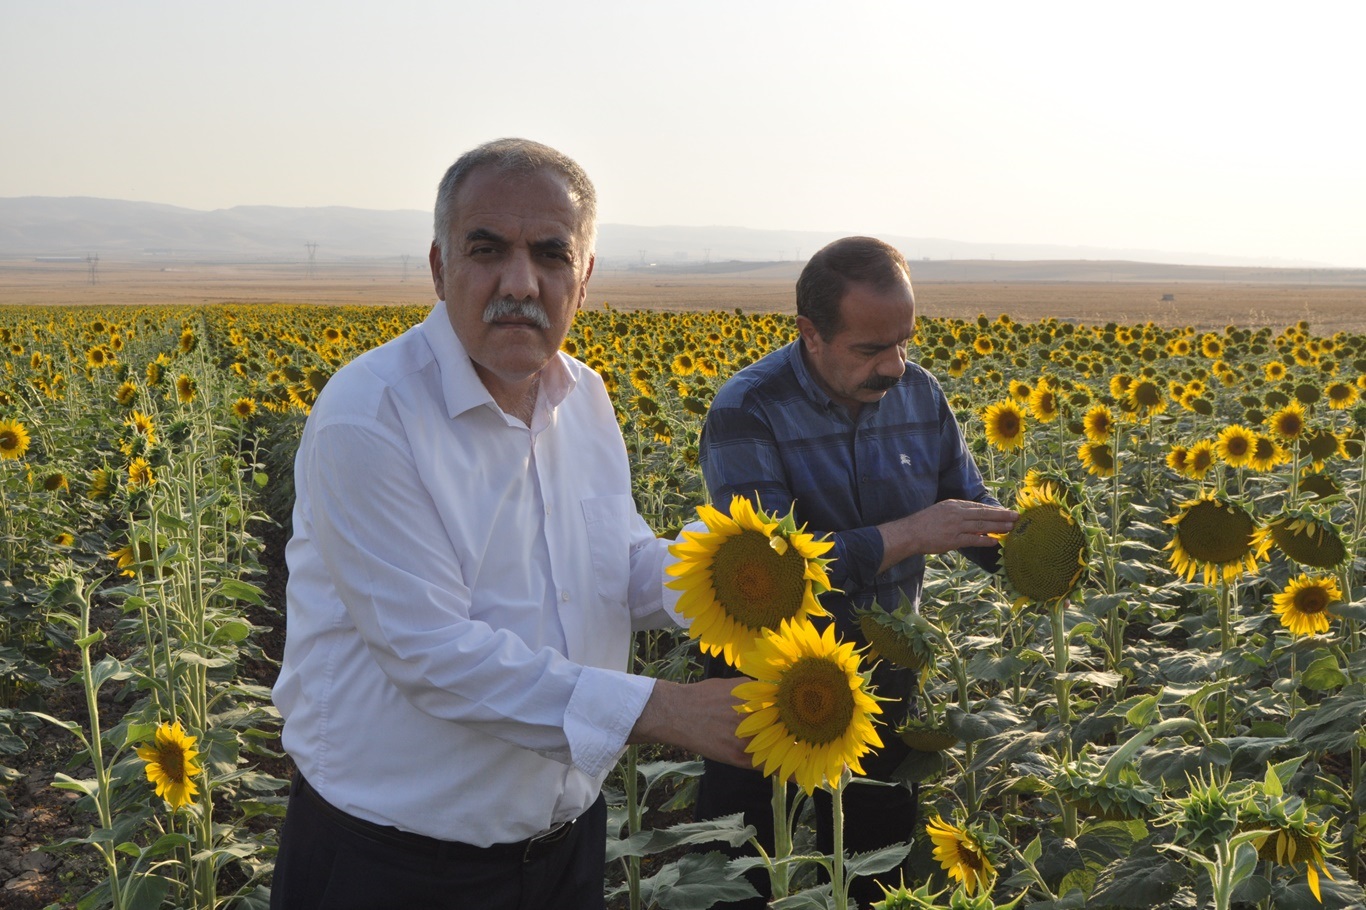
(547, 510)
(564, 596)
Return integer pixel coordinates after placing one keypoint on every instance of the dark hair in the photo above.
(516, 156)
(827, 276)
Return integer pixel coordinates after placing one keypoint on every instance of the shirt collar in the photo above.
(461, 385)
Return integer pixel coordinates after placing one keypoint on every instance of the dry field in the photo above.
(961, 291)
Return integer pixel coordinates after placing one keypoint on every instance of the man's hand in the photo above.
(944, 526)
(699, 717)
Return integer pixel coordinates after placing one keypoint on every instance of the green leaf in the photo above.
(695, 883)
(1143, 713)
(234, 630)
(1033, 851)
(1324, 674)
(145, 892)
(107, 669)
(235, 589)
(62, 781)
(89, 641)
(728, 828)
(138, 733)
(260, 478)
(1143, 880)
(877, 861)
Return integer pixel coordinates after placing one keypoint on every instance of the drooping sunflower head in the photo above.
(1005, 425)
(1304, 605)
(1045, 554)
(1178, 457)
(14, 440)
(126, 393)
(1321, 444)
(1043, 401)
(140, 474)
(746, 573)
(185, 389)
(809, 713)
(171, 764)
(905, 638)
(1320, 485)
(1306, 537)
(962, 853)
(1215, 536)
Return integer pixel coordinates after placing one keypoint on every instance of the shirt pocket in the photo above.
(608, 521)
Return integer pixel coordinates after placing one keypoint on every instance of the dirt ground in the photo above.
(1272, 299)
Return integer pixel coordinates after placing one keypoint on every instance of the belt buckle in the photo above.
(547, 838)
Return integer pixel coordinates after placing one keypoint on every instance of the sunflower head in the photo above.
(1045, 554)
(905, 637)
(1217, 536)
(962, 853)
(171, 764)
(809, 714)
(1005, 425)
(1306, 537)
(1235, 445)
(926, 736)
(14, 439)
(1304, 605)
(1098, 458)
(746, 573)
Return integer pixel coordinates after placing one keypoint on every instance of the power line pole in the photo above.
(406, 257)
(312, 265)
(93, 261)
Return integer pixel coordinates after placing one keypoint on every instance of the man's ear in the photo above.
(583, 285)
(811, 338)
(438, 270)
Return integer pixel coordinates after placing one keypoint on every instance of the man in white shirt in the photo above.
(466, 569)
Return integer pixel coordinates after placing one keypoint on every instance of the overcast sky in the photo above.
(1192, 127)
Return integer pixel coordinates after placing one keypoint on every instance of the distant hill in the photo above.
(46, 226)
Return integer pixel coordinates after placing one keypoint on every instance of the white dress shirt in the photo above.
(462, 594)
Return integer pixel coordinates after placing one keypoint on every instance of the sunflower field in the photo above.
(1158, 700)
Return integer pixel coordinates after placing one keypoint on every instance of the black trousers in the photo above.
(874, 817)
(332, 861)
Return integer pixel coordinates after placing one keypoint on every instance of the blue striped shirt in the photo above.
(773, 432)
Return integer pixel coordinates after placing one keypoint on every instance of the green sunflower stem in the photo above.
(1063, 689)
(779, 869)
(1225, 594)
(960, 675)
(839, 888)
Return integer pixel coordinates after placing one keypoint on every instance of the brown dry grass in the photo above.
(1203, 305)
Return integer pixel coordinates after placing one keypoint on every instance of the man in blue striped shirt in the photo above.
(865, 445)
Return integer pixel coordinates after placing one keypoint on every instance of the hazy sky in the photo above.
(1193, 127)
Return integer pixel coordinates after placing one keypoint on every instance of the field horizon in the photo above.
(1097, 294)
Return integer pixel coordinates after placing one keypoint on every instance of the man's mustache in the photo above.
(880, 383)
(511, 308)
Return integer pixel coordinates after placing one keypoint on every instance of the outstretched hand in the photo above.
(948, 525)
(699, 717)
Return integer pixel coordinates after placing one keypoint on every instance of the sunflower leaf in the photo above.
(694, 883)
(876, 861)
(1324, 674)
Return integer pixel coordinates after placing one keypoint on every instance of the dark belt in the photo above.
(523, 851)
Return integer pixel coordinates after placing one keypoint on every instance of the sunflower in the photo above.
(1043, 402)
(244, 408)
(746, 573)
(140, 474)
(1274, 371)
(185, 388)
(64, 539)
(1214, 535)
(55, 483)
(1320, 445)
(100, 480)
(13, 440)
(1266, 455)
(809, 715)
(1306, 538)
(1099, 424)
(1146, 397)
(1295, 839)
(1098, 458)
(1341, 395)
(1005, 425)
(142, 424)
(1199, 459)
(171, 764)
(1288, 422)
(904, 637)
(1234, 445)
(1304, 604)
(1045, 554)
(126, 394)
(1019, 390)
(1178, 458)
(962, 854)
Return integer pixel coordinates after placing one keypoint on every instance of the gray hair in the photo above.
(517, 156)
